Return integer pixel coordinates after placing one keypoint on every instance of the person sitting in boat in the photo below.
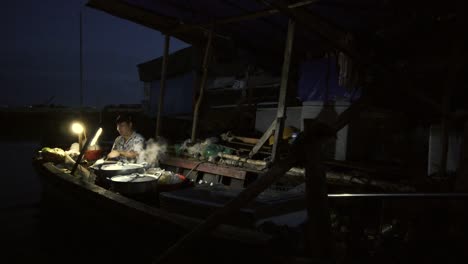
(129, 144)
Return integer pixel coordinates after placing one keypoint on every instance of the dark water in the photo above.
(20, 202)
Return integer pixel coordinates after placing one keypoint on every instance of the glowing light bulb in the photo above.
(77, 128)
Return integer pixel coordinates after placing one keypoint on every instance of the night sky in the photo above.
(40, 58)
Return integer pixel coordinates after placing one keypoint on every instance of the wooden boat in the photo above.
(109, 226)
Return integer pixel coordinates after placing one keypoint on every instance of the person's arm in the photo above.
(114, 153)
(128, 154)
(131, 154)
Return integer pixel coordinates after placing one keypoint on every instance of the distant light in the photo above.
(77, 128)
(95, 138)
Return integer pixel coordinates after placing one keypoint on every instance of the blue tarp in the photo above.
(319, 75)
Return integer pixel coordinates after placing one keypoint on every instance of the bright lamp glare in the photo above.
(77, 128)
(95, 138)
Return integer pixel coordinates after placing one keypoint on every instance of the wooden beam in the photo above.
(206, 60)
(240, 18)
(263, 139)
(148, 19)
(162, 86)
(281, 112)
(231, 172)
(262, 13)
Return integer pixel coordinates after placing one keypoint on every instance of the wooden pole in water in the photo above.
(162, 86)
(202, 86)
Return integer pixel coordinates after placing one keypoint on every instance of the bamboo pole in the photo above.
(202, 86)
(162, 86)
(281, 114)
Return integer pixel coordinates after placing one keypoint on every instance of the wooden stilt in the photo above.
(318, 235)
(162, 86)
(454, 70)
(461, 182)
(202, 86)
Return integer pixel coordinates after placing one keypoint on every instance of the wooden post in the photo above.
(457, 57)
(318, 235)
(461, 182)
(80, 140)
(281, 113)
(249, 87)
(81, 58)
(82, 152)
(202, 86)
(162, 86)
(444, 135)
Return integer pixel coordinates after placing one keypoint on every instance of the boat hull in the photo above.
(93, 221)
